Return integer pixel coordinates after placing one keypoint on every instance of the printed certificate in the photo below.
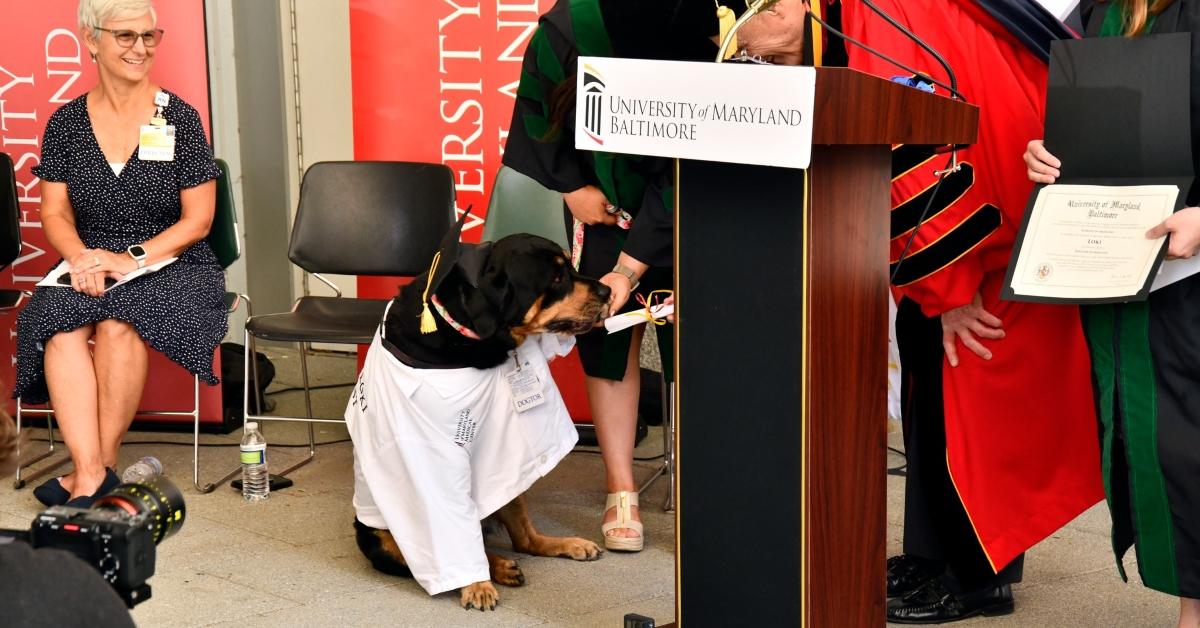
(1087, 243)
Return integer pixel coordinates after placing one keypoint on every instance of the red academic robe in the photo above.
(1021, 440)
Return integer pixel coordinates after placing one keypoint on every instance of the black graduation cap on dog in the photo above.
(453, 256)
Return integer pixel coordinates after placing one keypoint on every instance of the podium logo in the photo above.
(593, 99)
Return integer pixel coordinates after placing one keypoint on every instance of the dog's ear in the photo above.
(490, 302)
(473, 261)
(485, 318)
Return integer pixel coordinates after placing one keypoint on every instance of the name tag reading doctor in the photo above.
(526, 387)
(727, 112)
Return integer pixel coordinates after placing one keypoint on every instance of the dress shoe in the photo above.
(111, 480)
(935, 604)
(83, 501)
(52, 493)
(906, 574)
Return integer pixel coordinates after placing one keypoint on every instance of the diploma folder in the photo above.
(1118, 113)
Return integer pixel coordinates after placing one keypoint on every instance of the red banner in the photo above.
(44, 64)
(435, 82)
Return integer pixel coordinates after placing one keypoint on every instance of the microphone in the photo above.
(907, 33)
(952, 88)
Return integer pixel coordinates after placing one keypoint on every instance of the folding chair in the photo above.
(10, 249)
(10, 229)
(10, 299)
(225, 241)
(354, 218)
(521, 205)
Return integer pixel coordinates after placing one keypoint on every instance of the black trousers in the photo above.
(936, 527)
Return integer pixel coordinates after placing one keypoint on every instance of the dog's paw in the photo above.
(576, 548)
(481, 595)
(506, 572)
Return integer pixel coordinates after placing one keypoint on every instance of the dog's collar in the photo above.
(459, 327)
(412, 362)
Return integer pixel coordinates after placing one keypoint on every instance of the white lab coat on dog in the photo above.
(438, 450)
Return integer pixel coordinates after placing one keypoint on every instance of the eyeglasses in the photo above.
(744, 56)
(126, 39)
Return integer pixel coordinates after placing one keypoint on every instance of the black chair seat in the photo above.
(322, 319)
(10, 298)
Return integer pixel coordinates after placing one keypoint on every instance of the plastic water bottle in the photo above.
(141, 471)
(256, 484)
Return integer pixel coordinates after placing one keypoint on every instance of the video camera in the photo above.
(117, 535)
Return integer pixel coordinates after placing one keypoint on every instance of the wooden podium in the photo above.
(782, 279)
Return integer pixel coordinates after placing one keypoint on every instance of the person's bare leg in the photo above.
(614, 413)
(71, 378)
(1189, 613)
(120, 376)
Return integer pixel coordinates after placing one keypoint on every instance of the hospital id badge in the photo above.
(157, 143)
(526, 388)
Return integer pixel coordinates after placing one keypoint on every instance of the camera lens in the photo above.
(157, 501)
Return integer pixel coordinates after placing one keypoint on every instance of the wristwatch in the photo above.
(138, 253)
(621, 269)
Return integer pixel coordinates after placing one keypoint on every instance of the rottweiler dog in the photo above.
(503, 293)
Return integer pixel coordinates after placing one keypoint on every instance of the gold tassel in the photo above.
(727, 19)
(428, 325)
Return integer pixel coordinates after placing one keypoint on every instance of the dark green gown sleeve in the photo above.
(548, 157)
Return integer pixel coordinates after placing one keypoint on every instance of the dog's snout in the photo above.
(603, 291)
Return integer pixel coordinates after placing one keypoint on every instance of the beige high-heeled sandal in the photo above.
(624, 502)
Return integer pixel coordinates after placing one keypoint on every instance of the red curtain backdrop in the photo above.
(43, 64)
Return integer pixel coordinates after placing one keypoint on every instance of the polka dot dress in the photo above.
(177, 310)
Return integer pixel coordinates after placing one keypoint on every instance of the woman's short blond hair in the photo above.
(94, 13)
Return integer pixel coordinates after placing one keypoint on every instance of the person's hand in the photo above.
(81, 266)
(115, 265)
(84, 259)
(670, 301)
(965, 323)
(1183, 231)
(620, 289)
(95, 266)
(86, 282)
(1040, 165)
(589, 206)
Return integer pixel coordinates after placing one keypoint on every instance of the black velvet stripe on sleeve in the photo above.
(906, 157)
(956, 243)
(906, 215)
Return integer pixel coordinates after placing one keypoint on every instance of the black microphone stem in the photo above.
(919, 42)
(952, 89)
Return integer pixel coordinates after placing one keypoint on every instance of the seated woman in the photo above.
(112, 204)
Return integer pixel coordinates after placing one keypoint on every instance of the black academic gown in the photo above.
(1146, 370)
